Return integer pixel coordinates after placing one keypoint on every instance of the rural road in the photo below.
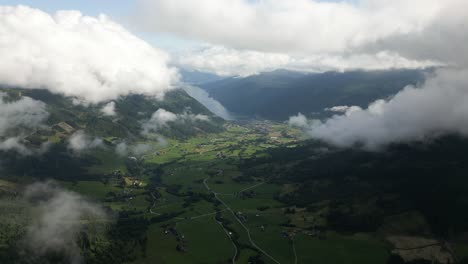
(230, 238)
(240, 222)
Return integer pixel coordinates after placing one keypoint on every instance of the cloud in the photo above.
(158, 120)
(299, 121)
(92, 59)
(342, 109)
(300, 26)
(24, 113)
(79, 142)
(109, 109)
(123, 149)
(438, 107)
(140, 149)
(17, 119)
(162, 118)
(57, 220)
(310, 35)
(14, 143)
(231, 62)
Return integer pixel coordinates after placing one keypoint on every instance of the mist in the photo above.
(57, 218)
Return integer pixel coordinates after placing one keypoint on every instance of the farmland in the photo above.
(256, 192)
(205, 209)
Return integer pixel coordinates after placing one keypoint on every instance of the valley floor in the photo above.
(200, 205)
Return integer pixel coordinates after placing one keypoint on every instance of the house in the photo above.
(66, 127)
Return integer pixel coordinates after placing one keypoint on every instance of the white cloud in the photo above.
(121, 149)
(158, 120)
(19, 118)
(231, 62)
(24, 113)
(299, 121)
(57, 220)
(138, 149)
(14, 143)
(343, 109)
(312, 35)
(299, 26)
(79, 141)
(93, 59)
(439, 107)
(162, 118)
(109, 109)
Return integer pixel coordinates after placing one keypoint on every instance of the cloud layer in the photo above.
(299, 26)
(57, 220)
(93, 59)
(438, 107)
(311, 35)
(231, 62)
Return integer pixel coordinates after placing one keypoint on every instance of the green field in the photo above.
(247, 203)
(196, 201)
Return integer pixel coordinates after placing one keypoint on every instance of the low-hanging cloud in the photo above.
(92, 59)
(57, 219)
(24, 113)
(80, 141)
(299, 121)
(123, 149)
(162, 118)
(19, 118)
(438, 107)
(231, 62)
(14, 143)
(109, 109)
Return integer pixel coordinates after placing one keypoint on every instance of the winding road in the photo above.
(238, 220)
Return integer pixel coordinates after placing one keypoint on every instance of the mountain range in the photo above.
(280, 94)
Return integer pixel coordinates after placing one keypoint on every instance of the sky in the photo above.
(119, 10)
(114, 8)
(140, 45)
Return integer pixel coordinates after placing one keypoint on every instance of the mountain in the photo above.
(367, 190)
(280, 94)
(131, 113)
(197, 77)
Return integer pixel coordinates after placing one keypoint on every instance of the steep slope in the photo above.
(132, 112)
(280, 94)
(197, 77)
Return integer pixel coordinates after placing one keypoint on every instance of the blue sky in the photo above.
(114, 8)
